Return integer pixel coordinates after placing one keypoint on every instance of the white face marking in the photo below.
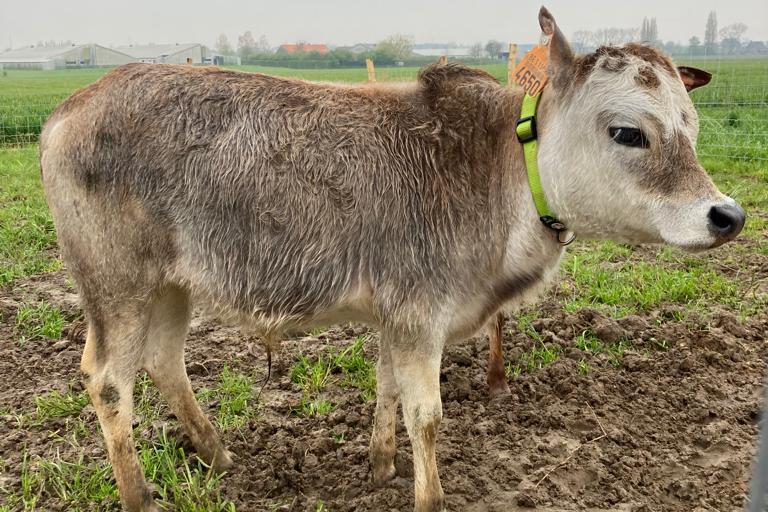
(603, 189)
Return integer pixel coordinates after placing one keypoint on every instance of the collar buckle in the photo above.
(559, 228)
(526, 129)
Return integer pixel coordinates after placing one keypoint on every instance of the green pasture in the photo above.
(733, 108)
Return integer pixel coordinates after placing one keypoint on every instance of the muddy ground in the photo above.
(671, 428)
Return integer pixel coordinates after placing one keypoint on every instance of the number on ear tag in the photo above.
(531, 73)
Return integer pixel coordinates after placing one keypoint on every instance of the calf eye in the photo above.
(628, 137)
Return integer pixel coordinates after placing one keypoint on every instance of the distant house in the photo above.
(449, 52)
(189, 53)
(522, 49)
(219, 59)
(305, 48)
(756, 48)
(61, 57)
(360, 48)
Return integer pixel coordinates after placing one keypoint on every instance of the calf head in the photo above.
(617, 148)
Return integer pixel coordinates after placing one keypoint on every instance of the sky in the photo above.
(345, 22)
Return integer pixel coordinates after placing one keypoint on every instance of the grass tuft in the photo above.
(38, 321)
(181, 485)
(348, 367)
(234, 394)
(634, 286)
(57, 405)
(537, 358)
(590, 343)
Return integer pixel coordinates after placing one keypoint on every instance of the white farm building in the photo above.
(60, 57)
(94, 55)
(192, 53)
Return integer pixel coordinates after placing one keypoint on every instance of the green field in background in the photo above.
(733, 108)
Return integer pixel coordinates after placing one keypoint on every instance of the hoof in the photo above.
(499, 390)
(147, 501)
(383, 475)
(222, 460)
(433, 505)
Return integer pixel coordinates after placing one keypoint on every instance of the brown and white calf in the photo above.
(284, 204)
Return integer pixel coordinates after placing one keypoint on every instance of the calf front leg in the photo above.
(383, 444)
(496, 377)
(416, 367)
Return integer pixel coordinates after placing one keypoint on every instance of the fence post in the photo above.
(511, 64)
(443, 60)
(371, 70)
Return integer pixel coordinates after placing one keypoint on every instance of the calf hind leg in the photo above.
(163, 359)
(497, 377)
(113, 348)
(383, 445)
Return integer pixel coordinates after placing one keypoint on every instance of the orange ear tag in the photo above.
(531, 73)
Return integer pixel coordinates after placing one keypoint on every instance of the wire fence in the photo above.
(733, 109)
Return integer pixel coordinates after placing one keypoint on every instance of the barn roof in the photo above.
(154, 51)
(293, 48)
(35, 53)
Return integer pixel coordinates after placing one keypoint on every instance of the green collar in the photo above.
(527, 135)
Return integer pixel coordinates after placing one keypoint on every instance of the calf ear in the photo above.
(561, 56)
(693, 78)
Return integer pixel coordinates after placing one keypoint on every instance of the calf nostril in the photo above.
(726, 220)
(719, 218)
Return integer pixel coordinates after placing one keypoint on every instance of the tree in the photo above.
(730, 36)
(394, 48)
(343, 56)
(733, 31)
(649, 33)
(493, 48)
(653, 32)
(694, 46)
(223, 45)
(582, 40)
(246, 45)
(476, 50)
(710, 34)
(263, 45)
(615, 35)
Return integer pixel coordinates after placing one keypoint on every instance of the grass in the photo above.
(234, 395)
(184, 484)
(181, 485)
(58, 405)
(77, 483)
(632, 285)
(27, 235)
(537, 358)
(588, 342)
(349, 367)
(39, 321)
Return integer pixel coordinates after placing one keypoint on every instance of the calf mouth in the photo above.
(701, 226)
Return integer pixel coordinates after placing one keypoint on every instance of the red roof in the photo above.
(294, 48)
